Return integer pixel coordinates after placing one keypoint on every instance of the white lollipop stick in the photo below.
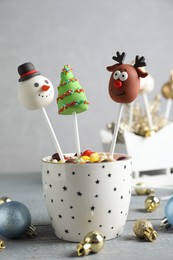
(131, 109)
(168, 108)
(147, 108)
(116, 131)
(76, 132)
(56, 143)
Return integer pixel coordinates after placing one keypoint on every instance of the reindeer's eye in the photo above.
(123, 76)
(116, 74)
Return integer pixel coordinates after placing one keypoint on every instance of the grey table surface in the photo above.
(27, 188)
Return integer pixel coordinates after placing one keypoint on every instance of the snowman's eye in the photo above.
(46, 81)
(36, 85)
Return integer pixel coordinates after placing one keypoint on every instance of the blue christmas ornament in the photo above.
(168, 219)
(15, 220)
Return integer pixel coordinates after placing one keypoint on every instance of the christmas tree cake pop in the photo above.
(71, 96)
(71, 99)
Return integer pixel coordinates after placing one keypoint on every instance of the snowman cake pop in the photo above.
(35, 91)
(146, 84)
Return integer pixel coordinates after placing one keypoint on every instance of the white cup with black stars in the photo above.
(87, 197)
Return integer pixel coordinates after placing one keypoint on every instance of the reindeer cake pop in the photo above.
(124, 82)
(124, 85)
(36, 92)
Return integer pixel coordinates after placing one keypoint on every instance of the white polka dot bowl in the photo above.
(87, 197)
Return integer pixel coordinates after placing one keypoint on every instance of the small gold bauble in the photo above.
(141, 189)
(2, 244)
(143, 229)
(4, 200)
(149, 133)
(167, 89)
(152, 203)
(92, 243)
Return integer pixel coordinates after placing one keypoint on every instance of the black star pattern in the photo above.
(109, 211)
(59, 216)
(97, 181)
(109, 175)
(79, 193)
(65, 188)
(92, 208)
(66, 231)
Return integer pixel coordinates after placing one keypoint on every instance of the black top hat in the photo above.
(27, 71)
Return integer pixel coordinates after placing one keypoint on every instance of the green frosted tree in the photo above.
(71, 96)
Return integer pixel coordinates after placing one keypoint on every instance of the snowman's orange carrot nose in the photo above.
(45, 88)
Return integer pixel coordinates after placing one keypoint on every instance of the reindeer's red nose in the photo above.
(117, 83)
(45, 87)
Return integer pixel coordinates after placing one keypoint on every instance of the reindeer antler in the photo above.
(139, 62)
(119, 57)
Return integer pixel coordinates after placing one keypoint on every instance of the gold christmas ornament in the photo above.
(141, 189)
(4, 200)
(139, 124)
(149, 133)
(92, 243)
(2, 244)
(167, 89)
(143, 229)
(152, 203)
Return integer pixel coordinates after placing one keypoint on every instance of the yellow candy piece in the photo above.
(85, 158)
(94, 157)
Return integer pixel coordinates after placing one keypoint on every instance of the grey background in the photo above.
(84, 34)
